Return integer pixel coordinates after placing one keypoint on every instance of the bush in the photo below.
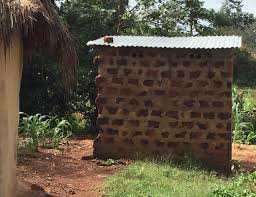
(79, 123)
(40, 130)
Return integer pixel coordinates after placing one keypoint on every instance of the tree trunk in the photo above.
(10, 77)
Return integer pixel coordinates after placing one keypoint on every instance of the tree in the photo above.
(232, 15)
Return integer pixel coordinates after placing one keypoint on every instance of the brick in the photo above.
(186, 63)
(148, 83)
(148, 103)
(203, 83)
(225, 136)
(204, 146)
(195, 114)
(121, 62)
(195, 74)
(188, 125)
(173, 144)
(112, 110)
(211, 74)
(102, 120)
(125, 112)
(142, 113)
(219, 64)
(194, 93)
(211, 136)
(128, 141)
(165, 134)
(225, 74)
(195, 135)
(124, 52)
(118, 122)
(144, 142)
(204, 104)
(144, 63)
(217, 84)
(209, 115)
(109, 140)
(180, 135)
(143, 93)
(150, 133)
(120, 100)
(156, 113)
(172, 114)
(159, 92)
(137, 133)
(140, 72)
(100, 80)
(159, 143)
(118, 80)
(224, 116)
(189, 103)
(134, 102)
(173, 64)
(127, 71)
(134, 123)
(159, 63)
(133, 82)
(173, 93)
(173, 124)
(176, 84)
(180, 74)
(227, 94)
(217, 104)
(111, 91)
(112, 71)
(202, 126)
(100, 100)
(189, 85)
(125, 92)
(229, 85)
(111, 131)
(166, 74)
(153, 124)
(152, 73)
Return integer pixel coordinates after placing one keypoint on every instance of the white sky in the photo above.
(249, 5)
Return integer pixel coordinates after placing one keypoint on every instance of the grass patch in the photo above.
(164, 179)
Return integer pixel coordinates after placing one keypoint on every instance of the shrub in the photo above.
(40, 130)
(79, 123)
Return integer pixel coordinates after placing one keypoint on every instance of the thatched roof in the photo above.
(41, 27)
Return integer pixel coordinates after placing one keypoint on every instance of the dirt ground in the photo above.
(63, 173)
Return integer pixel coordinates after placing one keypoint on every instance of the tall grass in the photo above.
(244, 116)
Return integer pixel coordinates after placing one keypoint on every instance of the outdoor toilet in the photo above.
(165, 96)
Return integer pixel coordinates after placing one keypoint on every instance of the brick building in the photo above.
(160, 95)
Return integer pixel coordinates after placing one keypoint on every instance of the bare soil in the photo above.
(64, 173)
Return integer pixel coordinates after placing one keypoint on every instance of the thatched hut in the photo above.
(26, 25)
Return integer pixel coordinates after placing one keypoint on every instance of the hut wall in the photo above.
(10, 75)
(165, 101)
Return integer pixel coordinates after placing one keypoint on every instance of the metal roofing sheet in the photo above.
(203, 42)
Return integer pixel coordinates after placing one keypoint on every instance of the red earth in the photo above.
(64, 173)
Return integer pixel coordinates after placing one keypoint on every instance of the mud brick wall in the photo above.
(165, 101)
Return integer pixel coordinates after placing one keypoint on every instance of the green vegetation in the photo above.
(244, 116)
(44, 131)
(165, 178)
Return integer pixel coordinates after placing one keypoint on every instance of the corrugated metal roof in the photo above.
(205, 42)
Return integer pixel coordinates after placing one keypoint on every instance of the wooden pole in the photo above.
(10, 77)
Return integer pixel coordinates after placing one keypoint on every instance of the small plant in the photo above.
(241, 185)
(41, 130)
(79, 123)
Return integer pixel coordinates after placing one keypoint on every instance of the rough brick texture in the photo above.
(165, 101)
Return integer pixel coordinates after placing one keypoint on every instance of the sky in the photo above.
(249, 5)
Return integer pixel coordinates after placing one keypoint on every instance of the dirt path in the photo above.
(64, 173)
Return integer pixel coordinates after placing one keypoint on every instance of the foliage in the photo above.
(40, 130)
(241, 185)
(244, 116)
(167, 178)
(80, 125)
